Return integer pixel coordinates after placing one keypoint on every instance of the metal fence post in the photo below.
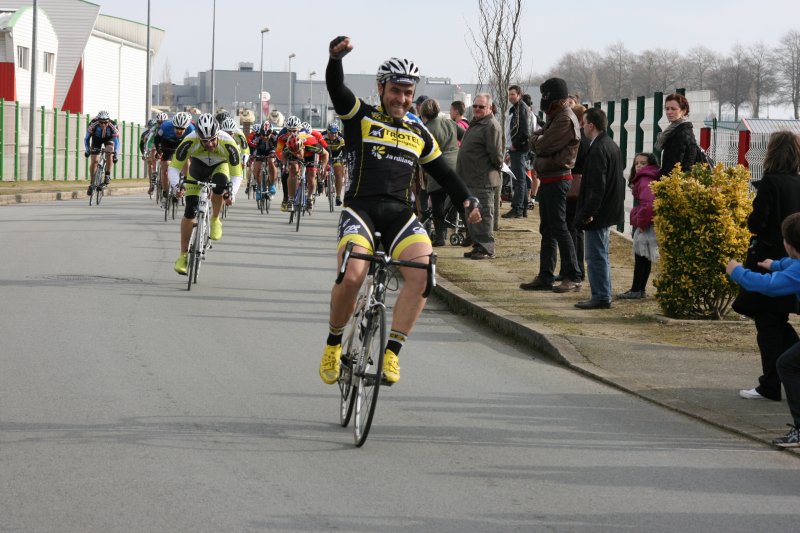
(66, 146)
(77, 144)
(610, 116)
(16, 140)
(2, 138)
(130, 152)
(86, 160)
(42, 142)
(55, 141)
(639, 120)
(658, 112)
(681, 91)
(744, 147)
(122, 149)
(623, 131)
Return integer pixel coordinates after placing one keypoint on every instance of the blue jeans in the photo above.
(519, 201)
(598, 265)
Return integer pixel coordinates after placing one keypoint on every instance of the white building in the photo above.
(16, 59)
(102, 60)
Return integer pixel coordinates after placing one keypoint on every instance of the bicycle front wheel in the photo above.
(370, 371)
(300, 205)
(193, 254)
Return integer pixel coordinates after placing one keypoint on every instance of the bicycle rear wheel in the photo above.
(167, 204)
(98, 192)
(370, 371)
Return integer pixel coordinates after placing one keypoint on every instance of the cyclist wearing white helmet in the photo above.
(230, 127)
(384, 149)
(102, 131)
(167, 138)
(213, 156)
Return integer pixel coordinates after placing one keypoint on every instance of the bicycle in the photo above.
(330, 187)
(300, 206)
(361, 368)
(98, 179)
(199, 242)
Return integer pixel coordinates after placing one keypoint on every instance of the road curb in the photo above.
(558, 348)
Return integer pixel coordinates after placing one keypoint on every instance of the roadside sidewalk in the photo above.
(693, 367)
(24, 192)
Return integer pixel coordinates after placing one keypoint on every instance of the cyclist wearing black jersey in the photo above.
(383, 148)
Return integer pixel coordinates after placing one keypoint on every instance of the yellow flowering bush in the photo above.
(700, 222)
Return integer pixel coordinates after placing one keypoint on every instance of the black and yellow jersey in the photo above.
(335, 146)
(383, 152)
(226, 152)
(241, 140)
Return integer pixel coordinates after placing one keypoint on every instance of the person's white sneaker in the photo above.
(750, 394)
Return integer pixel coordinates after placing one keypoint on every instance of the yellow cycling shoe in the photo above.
(216, 229)
(329, 366)
(181, 265)
(391, 366)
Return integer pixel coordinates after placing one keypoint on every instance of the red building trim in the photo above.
(8, 82)
(73, 102)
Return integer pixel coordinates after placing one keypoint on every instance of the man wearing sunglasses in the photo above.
(167, 139)
(102, 131)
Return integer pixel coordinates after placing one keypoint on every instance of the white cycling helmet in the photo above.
(306, 126)
(293, 123)
(229, 125)
(103, 115)
(398, 71)
(161, 117)
(207, 127)
(182, 120)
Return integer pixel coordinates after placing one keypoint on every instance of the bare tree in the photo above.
(700, 61)
(667, 69)
(644, 73)
(166, 86)
(788, 61)
(733, 80)
(760, 60)
(615, 71)
(496, 47)
(579, 70)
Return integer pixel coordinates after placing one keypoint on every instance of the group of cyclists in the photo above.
(381, 146)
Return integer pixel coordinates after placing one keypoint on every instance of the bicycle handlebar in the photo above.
(386, 260)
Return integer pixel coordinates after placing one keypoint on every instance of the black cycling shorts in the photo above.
(96, 143)
(395, 221)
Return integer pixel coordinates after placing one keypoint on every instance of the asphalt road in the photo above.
(130, 404)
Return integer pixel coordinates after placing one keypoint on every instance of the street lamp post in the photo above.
(261, 92)
(290, 83)
(311, 97)
(213, 48)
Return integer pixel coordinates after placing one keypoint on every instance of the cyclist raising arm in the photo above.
(212, 156)
(384, 147)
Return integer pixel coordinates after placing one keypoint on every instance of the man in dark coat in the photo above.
(518, 144)
(600, 205)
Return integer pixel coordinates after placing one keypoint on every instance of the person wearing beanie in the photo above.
(556, 147)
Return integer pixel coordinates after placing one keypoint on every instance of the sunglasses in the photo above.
(476, 106)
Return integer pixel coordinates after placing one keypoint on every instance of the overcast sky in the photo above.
(434, 33)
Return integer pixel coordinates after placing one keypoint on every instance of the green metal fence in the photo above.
(60, 145)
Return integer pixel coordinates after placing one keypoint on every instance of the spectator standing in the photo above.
(446, 134)
(533, 125)
(518, 144)
(677, 143)
(572, 200)
(480, 159)
(600, 205)
(555, 147)
(644, 172)
(783, 279)
(777, 196)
